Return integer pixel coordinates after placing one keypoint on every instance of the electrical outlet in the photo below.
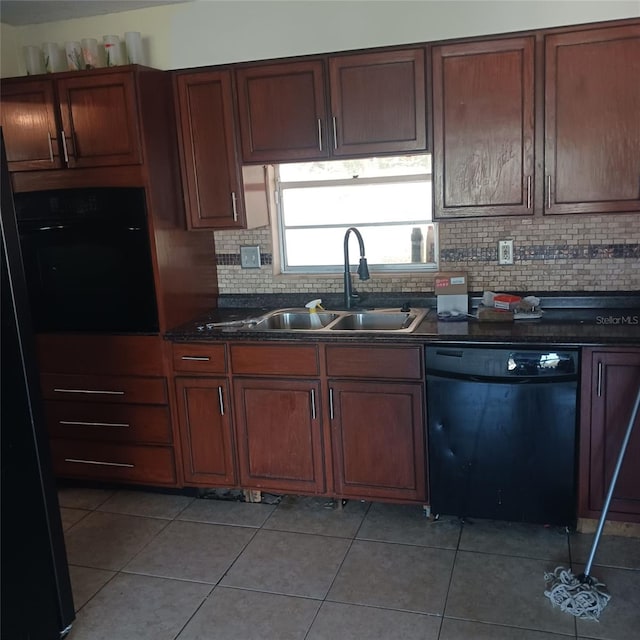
(250, 257)
(505, 251)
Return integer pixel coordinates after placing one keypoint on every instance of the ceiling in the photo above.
(24, 12)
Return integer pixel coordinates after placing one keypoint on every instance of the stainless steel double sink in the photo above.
(354, 321)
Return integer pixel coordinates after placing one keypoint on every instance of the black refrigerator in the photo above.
(35, 588)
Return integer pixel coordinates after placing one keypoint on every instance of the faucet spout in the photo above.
(363, 268)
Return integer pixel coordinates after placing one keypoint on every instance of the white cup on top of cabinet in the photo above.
(113, 49)
(74, 56)
(135, 52)
(54, 58)
(33, 59)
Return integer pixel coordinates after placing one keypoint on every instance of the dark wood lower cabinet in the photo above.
(611, 378)
(205, 429)
(279, 434)
(378, 440)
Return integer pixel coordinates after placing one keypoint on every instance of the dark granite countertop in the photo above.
(568, 320)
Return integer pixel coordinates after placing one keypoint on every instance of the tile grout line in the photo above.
(453, 566)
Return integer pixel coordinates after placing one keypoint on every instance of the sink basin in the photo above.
(379, 321)
(295, 319)
(288, 320)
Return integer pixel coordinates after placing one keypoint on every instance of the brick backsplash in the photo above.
(552, 253)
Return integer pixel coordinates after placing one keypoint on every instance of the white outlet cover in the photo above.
(250, 257)
(505, 251)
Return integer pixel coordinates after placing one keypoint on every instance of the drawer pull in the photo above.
(81, 423)
(90, 391)
(197, 358)
(331, 403)
(100, 463)
(313, 404)
(221, 400)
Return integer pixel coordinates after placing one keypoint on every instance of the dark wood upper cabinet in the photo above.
(29, 125)
(378, 102)
(209, 159)
(377, 105)
(592, 121)
(282, 109)
(483, 124)
(74, 121)
(99, 120)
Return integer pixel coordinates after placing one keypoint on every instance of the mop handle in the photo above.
(614, 478)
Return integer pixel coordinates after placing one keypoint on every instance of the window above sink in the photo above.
(387, 198)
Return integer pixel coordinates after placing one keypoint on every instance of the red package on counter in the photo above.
(506, 301)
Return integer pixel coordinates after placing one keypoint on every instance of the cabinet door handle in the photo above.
(234, 206)
(331, 403)
(599, 383)
(319, 134)
(50, 146)
(313, 404)
(221, 400)
(89, 391)
(549, 192)
(196, 358)
(528, 192)
(100, 463)
(64, 148)
(82, 423)
(335, 133)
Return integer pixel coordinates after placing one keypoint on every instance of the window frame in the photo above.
(409, 267)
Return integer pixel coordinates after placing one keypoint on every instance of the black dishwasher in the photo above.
(502, 433)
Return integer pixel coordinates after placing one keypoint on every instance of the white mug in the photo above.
(135, 53)
(90, 53)
(33, 59)
(113, 50)
(74, 56)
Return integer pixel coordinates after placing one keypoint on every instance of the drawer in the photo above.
(100, 354)
(111, 422)
(300, 360)
(113, 462)
(81, 388)
(374, 362)
(199, 358)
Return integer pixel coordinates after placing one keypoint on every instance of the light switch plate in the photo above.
(505, 251)
(250, 257)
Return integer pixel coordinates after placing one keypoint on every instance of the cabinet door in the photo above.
(205, 431)
(378, 440)
(592, 121)
(378, 102)
(99, 120)
(282, 112)
(615, 379)
(210, 165)
(29, 127)
(279, 437)
(483, 132)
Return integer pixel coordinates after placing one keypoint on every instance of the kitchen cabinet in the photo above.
(611, 377)
(377, 104)
(592, 122)
(483, 128)
(376, 400)
(107, 408)
(204, 415)
(278, 417)
(75, 120)
(282, 111)
(212, 179)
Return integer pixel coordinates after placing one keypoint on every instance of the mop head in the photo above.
(582, 597)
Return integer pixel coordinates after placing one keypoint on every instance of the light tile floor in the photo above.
(170, 567)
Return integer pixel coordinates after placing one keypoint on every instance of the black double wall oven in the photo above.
(87, 260)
